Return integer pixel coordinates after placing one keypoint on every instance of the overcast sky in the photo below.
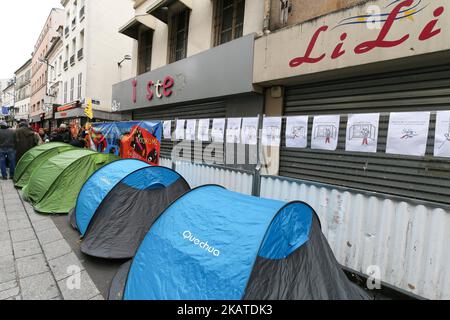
(21, 23)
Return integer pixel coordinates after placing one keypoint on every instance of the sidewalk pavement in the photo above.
(36, 262)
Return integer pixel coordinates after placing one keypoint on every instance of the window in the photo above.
(179, 26)
(228, 20)
(72, 87)
(65, 92)
(145, 51)
(80, 81)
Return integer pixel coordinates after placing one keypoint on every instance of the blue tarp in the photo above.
(205, 245)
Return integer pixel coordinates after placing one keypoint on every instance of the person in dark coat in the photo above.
(7, 150)
(25, 139)
(64, 134)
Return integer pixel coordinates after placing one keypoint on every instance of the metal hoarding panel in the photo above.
(407, 239)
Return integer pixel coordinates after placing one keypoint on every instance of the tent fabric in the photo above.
(211, 243)
(118, 204)
(99, 185)
(54, 186)
(35, 158)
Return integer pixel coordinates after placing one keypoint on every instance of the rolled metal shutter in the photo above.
(209, 110)
(419, 89)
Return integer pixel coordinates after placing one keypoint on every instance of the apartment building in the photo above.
(91, 52)
(54, 64)
(8, 101)
(191, 60)
(39, 67)
(23, 91)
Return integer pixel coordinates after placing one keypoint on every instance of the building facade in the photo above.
(23, 91)
(39, 67)
(8, 101)
(343, 59)
(91, 52)
(54, 64)
(192, 60)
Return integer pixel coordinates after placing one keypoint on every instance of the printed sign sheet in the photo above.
(271, 133)
(250, 131)
(362, 132)
(408, 133)
(442, 138)
(325, 133)
(297, 132)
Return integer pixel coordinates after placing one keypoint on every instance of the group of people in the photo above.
(14, 143)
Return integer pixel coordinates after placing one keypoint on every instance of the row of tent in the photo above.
(203, 244)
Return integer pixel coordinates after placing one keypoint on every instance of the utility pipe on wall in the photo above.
(267, 12)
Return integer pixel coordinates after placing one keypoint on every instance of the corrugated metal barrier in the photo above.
(407, 239)
(197, 175)
(164, 162)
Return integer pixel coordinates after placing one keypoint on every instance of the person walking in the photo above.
(7, 150)
(25, 139)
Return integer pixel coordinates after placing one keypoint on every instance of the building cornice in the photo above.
(23, 67)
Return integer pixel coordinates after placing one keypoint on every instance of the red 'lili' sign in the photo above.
(161, 89)
(429, 31)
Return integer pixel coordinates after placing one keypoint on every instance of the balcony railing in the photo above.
(66, 65)
(66, 32)
(82, 13)
(72, 60)
(80, 54)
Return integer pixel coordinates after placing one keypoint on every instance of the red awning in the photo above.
(69, 106)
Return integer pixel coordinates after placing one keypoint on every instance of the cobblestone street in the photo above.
(34, 256)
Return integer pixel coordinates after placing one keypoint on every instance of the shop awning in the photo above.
(131, 28)
(98, 114)
(159, 9)
(37, 118)
(69, 106)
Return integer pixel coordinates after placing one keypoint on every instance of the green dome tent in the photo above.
(34, 158)
(54, 186)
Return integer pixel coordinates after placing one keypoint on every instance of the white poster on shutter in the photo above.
(362, 132)
(218, 130)
(442, 135)
(179, 130)
(271, 133)
(408, 133)
(325, 133)
(250, 131)
(297, 132)
(190, 129)
(203, 130)
(234, 130)
(168, 129)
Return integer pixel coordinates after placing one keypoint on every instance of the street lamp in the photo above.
(126, 57)
(46, 62)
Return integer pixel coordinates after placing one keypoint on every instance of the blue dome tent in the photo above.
(118, 204)
(214, 244)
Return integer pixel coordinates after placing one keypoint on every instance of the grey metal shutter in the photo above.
(210, 110)
(419, 89)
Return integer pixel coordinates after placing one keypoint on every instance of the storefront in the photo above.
(37, 121)
(213, 84)
(381, 189)
(337, 67)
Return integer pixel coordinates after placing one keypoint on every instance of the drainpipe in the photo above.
(267, 12)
